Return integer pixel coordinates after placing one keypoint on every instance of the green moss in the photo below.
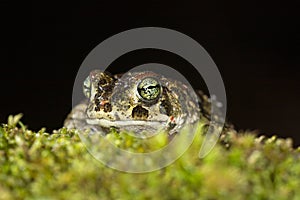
(39, 165)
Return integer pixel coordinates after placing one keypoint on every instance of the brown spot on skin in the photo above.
(97, 108)
(98, 95)
(140, 113)
(107, 107)
(97, 102)
(165, 107)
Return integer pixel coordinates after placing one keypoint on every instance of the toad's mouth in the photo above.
(138, 128)
(124, 123)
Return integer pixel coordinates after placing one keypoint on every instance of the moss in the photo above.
(39, 165)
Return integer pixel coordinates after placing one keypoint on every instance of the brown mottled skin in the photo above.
(138, 102)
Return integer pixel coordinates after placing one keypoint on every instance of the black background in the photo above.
(255, 45)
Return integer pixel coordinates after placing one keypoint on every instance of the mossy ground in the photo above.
(39, 165)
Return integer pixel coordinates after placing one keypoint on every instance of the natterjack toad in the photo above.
(139, 102)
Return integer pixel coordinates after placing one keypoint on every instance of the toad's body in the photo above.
(136, 101)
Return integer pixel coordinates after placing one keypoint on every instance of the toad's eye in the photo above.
(87, 87)
(148, 89)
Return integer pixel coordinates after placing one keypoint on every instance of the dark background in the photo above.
(255, 45)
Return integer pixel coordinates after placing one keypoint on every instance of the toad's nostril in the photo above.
(139, 112)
